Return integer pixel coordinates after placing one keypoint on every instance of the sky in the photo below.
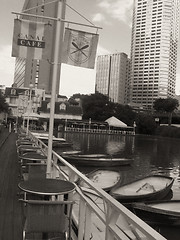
(115, 18)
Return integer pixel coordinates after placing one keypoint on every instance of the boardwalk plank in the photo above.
(10, 208)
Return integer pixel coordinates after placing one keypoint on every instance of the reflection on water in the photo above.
(151, 156)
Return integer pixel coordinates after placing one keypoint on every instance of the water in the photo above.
(152, 155)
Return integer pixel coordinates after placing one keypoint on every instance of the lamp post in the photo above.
(30, 106)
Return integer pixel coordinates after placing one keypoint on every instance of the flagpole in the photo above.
(56, 73)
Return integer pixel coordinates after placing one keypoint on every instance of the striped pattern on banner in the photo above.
(79, 48)
(32, 40)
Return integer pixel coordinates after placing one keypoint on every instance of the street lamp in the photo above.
(30, 106)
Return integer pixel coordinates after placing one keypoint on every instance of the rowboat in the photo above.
(153, 187)
(105, 179)
(70, 152)
(96, 160)
(56, 142)
(159, 212)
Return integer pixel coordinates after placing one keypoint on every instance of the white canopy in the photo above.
(114, 122)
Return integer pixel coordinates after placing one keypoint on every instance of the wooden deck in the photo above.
(10, 207)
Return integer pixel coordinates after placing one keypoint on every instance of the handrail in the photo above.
(113, 220)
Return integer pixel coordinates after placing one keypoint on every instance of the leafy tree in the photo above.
(145, 124)
(167, 105)
(3, 104)
(98, 107)
(73, 102)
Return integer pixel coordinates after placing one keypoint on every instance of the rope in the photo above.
(42, 5)
(80, 15)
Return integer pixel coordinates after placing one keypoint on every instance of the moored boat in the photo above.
(70, 152)
(153, 187)
(103, 178)
(97, 160)
(159, 212)
(56, 142)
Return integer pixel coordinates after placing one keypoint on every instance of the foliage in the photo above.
(3, 104)
(168, 131)
(167, 105)
(73, 102)
(98, 107)
(145, 124)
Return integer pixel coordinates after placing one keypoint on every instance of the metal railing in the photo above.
(102, 217)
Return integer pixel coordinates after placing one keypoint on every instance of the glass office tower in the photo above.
(112, 77)
(155, 29)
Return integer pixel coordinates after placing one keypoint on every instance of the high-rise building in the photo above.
(37, 72)
(112, 74)
(155, 29)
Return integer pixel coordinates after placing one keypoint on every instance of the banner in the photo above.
(79, 48)
(32, 40)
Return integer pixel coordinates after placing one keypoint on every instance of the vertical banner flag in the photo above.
(79, 48)
(32, 40)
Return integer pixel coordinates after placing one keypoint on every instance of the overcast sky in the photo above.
(114, 16)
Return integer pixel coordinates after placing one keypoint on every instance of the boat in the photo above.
(159, 212)
(153, 187)
(96, 160)
(70, 152)
(56, 142)
(103, 178)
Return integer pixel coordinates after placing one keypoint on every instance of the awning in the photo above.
(114, 122)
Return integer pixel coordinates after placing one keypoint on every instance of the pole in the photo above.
(56, 68)
(30, 108)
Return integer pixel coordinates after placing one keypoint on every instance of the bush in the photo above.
(168, 131)
(145, 124)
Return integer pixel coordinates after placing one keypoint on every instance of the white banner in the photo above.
(31, 40)
(79, 48)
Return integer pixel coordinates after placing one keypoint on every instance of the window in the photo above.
(48, 106)
(13, 91)
(62, 106)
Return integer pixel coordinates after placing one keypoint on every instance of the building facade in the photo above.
(37, 72)
(112, 77)
(155, 30)
(20, 103)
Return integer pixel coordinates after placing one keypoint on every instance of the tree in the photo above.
(145, 124)
(167, 105)
(3, 105)
(98, 107)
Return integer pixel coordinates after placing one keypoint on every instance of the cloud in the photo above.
(7, 64)
(118, 9)
(99, 17)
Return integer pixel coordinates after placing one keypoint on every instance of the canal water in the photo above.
(152, 155)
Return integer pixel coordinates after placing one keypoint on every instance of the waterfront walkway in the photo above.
(10, 207)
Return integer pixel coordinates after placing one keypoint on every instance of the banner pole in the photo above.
(56, 70)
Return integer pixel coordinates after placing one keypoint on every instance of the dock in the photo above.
(10, 207)
(114, 221)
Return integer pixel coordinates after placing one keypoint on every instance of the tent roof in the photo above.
(113, 121)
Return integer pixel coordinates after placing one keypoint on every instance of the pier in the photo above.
(107, 220)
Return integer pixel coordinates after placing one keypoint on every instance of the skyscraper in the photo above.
(154, 41)
(112, 74)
